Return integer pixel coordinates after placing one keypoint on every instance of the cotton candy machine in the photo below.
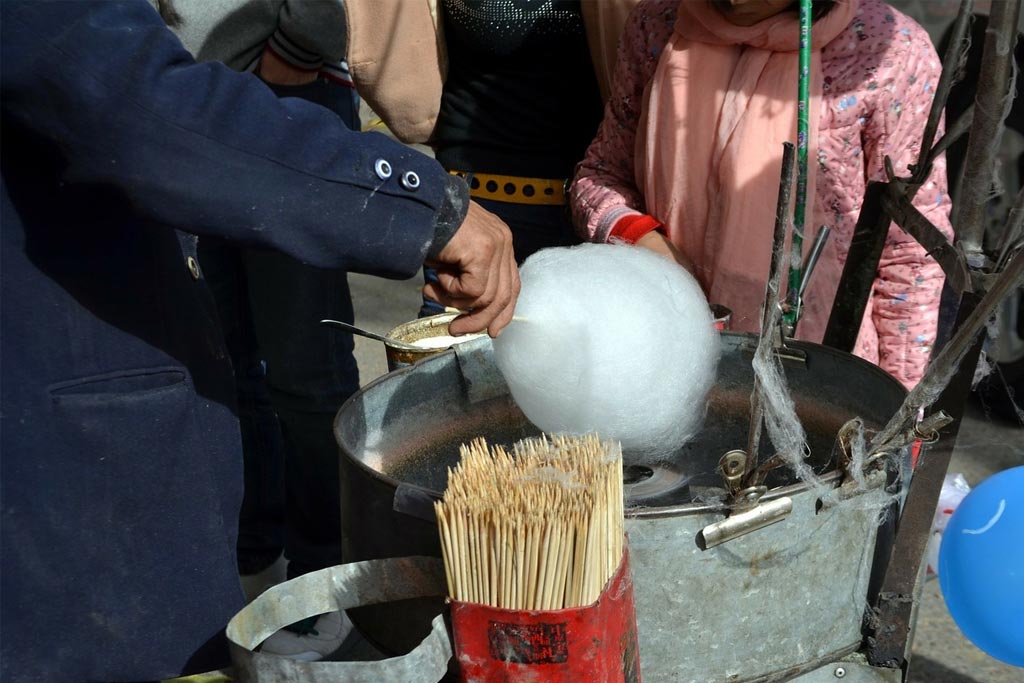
(761, 606)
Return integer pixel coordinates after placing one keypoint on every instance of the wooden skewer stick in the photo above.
(539, 527)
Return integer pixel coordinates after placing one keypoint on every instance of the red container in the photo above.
(593, 644)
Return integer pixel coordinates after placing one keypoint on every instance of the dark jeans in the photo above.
(292, 375)
(533, 228)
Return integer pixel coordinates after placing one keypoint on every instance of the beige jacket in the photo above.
(398, 62)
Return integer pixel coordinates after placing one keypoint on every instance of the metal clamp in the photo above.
(742, 523)
(851, 488)
(733, 466)
(746, 512)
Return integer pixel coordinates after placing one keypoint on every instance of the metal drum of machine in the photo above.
(766, 605)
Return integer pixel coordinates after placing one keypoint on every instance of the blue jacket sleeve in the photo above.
(200, 148)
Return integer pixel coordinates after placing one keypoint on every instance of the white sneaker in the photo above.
(314, 642)
(254, 584)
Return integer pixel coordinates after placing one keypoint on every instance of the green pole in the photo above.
(792, 314)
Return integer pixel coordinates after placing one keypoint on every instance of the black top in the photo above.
(520, 97)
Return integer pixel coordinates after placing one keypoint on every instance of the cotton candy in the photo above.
(611, 339)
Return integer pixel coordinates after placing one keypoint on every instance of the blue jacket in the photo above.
(120, 469)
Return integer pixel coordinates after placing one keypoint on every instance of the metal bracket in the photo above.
(480, 375)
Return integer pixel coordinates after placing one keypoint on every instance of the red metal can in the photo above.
(597, 643)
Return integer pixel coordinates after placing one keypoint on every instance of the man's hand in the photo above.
(477, 272)
(275, 70)
(659, 244)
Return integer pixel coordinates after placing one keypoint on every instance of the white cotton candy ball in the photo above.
(611, 339)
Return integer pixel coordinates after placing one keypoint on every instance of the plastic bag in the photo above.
(954, 489)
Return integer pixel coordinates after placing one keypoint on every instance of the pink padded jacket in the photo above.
(870, 108)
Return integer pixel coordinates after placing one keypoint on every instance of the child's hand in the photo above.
(273, 69)
(659, 244)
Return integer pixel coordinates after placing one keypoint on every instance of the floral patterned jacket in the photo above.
(872, 106)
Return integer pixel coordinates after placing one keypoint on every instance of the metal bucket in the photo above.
(766, 606)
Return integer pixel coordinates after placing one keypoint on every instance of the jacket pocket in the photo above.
(147, 431)
(120, 383)
(139, 460)
(118, 419)
(140, 494)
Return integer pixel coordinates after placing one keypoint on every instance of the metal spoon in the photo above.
(372, 335)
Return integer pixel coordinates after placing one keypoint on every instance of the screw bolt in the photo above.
(840, 672)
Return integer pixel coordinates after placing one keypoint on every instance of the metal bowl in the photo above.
(695, 609)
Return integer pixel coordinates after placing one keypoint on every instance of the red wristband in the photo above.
(631, 228)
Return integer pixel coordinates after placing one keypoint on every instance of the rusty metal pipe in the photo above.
(995, 91)
(771, 298)
(953, 133)
(1014, 230)
(947, 384)
(950, 62)
(945, 365)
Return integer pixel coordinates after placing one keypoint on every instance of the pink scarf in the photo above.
(709, 150)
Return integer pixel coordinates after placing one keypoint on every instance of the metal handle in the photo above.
(742, 523)
(812, 257)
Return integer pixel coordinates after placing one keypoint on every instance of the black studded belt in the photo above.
(514, 189)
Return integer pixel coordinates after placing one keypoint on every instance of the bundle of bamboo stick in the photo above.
(540, 528)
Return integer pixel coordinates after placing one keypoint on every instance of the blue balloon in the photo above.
(981, 566)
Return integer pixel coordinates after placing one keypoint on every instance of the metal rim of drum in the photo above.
(686, 509)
